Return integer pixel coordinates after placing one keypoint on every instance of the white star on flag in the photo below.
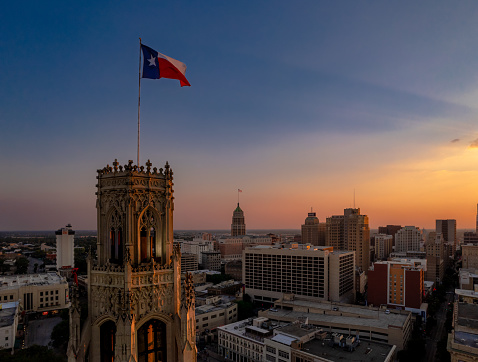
(152, 61)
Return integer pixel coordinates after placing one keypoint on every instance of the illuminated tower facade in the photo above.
(65, 247)
(139, 309)
(238, 226)
(312, 231)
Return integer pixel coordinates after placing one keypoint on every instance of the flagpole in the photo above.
(139, 92)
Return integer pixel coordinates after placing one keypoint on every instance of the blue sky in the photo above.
(297, 103)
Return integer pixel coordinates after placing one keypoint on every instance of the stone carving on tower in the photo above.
(138, 307)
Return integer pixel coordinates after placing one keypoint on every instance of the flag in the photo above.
(239, 190)
(157, 65)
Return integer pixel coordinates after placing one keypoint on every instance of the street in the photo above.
(438, 330)
(39, 331)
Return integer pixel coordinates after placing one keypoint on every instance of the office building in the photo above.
(397, 285)
(238, 226)
(189, 262)
(462, 339)
(350, 232)
(211, 260)
(231, 248)
(234, 269)
(470, 237)
(408, 238)
(312, 231)
(389, 230)
(37, 292)
(369, 324)
(317, 273)
(435, 250)
(383, 246)
(216, 311)
(469, 256)
(9, 317)
(448, 229)
(65, 248)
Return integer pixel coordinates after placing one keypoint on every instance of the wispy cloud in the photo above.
(455, 140)
(474, 144)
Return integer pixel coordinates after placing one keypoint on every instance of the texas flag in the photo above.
(157, 65)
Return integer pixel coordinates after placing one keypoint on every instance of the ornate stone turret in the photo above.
(137, 307)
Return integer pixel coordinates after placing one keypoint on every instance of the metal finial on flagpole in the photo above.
(139, 92)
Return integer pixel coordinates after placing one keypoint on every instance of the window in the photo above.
(152, 342)
(46, 293)
(56, 291)
(205, 319)
(107, 341)
(41, 299)
(41, 293)
(270, 349)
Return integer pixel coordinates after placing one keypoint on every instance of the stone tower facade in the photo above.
(139, 308)
(238, 226)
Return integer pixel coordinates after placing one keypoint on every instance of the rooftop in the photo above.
(7, 313)
(365, 351)
(16, 281)
(468, 315)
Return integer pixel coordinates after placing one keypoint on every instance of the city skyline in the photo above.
(298, 106)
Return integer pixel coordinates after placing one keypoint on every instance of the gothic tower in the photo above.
(238, 227)
(139, 309)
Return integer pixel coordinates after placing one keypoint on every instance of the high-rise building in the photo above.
(65, 248)
(318, 272)
(312, 231)
(408, 238)
(448, 229)
(350, 232)
(139, 308)
(389, 230)
(436, 254)
(238, 226)
(396, 284)
(383, 246)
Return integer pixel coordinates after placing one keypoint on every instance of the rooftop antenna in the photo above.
(354, 198)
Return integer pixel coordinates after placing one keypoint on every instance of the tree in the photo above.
(22, 265)
(35, 267)
(60, 335)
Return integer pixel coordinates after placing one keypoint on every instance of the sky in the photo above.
(299, 104)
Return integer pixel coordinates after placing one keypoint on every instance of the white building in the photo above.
(383, 246)
(318, 273)
(9, 315)
(64, 248)
(197, 246)
(408, 238)
(36, 292)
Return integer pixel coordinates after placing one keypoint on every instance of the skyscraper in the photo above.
(139, 308)
(351, 232)
(64, 247)
(238, 226)
(313, 231)
(448, 229)
(408, 239)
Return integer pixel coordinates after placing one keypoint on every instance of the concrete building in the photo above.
(197, 246)
(234, 269)
(469, 256)
(462, 339)
(448, 229)
(436, 255)
(238, 226)
(211, 260)
(231, 248)
(37, 292)
(139, 307)
(470, 237)
(9, 317)
(350, 232)
(312, 231)
(389, 230)
(65, 248)
(370, 324)
(408, 238)
(318, 273)
(189, 262)
(397, 285)
(243, 341)
(383, 246)
(215, 314)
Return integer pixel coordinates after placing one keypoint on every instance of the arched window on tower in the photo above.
(152, 342)
(107, 341)
(148, 238)
(116, 238)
